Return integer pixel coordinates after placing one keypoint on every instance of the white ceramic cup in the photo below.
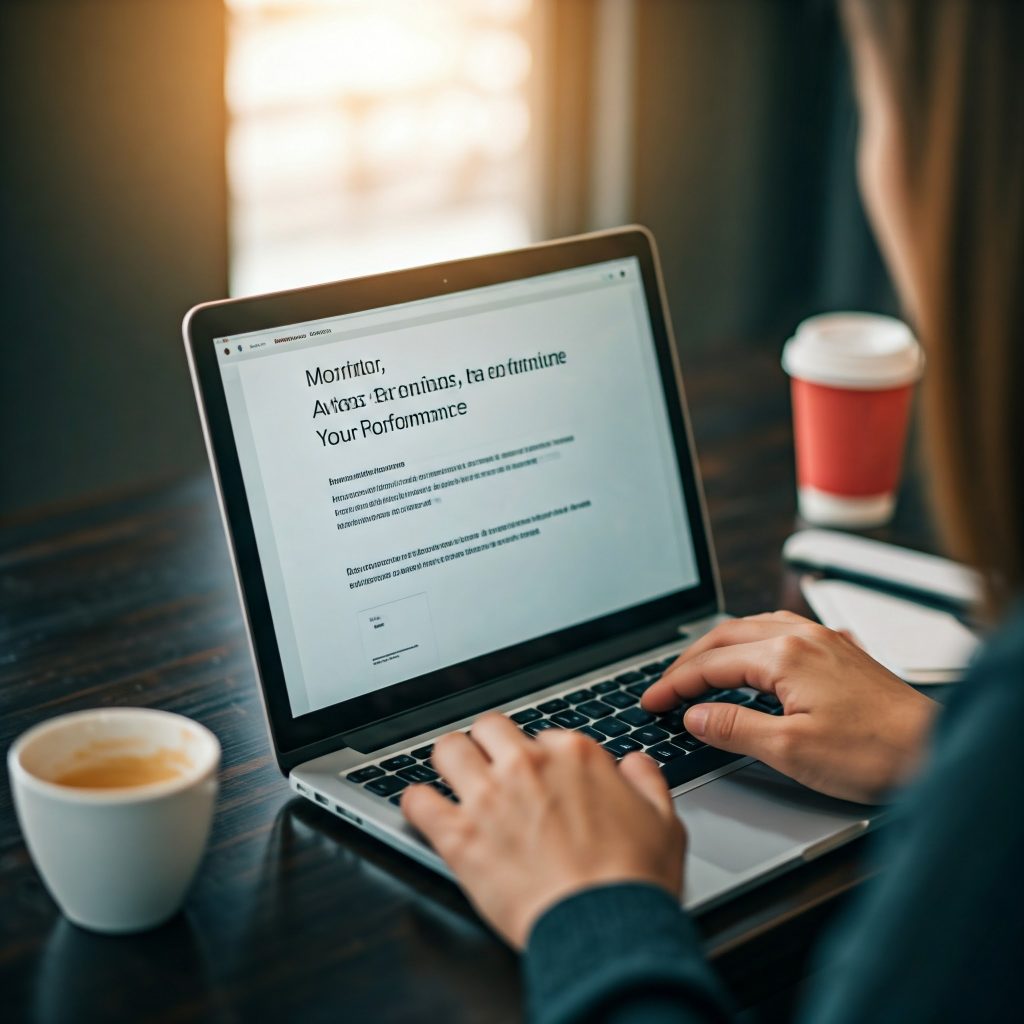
(115, 859)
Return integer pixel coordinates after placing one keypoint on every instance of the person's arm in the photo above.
(621, 954)
(939, 933)
(558, 845)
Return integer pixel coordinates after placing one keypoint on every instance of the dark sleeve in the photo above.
(939, 934)
(620, 954)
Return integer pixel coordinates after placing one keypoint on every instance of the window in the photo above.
(366, 135)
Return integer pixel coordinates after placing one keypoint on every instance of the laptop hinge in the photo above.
(470, 702)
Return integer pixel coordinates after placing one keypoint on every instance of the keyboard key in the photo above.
(549, 707)
(529, 715)
(569, 719)
(619, 699)
(666, 662)
(444, 788)
(417, 773)
(649, 735)
(653, 669)
(594, 708)
(687, 742)
(611, 727)
(605, 686)
(361, 775)
(588, 730)
(630, 677)
(532, 728)
(396, 799)
(392, 764)
(386, 786)
(423, 753)
(767, 702)
(638, 689)
(729, 697)
(672, 723)
(636, 716)
(622, 746)
(664, 752)
(578, 695)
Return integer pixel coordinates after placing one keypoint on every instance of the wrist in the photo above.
(910, 740)
(919, 723)
(558, 895)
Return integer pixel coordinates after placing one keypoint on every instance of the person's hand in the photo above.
(851, 728)
(540, 819)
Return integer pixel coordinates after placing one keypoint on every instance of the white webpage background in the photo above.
(631, 545)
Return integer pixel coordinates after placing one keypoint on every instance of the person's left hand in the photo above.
(540, 819)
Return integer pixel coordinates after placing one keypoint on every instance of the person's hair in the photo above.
(955, 78)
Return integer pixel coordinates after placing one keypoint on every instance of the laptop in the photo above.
(471, 487)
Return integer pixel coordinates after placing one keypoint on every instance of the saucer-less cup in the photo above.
(120, 858)
(852, 377)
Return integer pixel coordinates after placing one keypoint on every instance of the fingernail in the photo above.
(696, 719)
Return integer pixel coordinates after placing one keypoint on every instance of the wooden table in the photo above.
(295, 915)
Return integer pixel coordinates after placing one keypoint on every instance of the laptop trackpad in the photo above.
(755, 816)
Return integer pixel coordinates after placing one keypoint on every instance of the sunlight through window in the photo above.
(367, 135)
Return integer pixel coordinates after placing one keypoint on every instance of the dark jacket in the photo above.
(938, 935)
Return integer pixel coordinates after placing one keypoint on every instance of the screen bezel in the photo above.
(263, 312)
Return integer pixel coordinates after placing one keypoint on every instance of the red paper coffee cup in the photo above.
(852, 380)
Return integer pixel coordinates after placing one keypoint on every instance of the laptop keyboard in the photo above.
(607, 711)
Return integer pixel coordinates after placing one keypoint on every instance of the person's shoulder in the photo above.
(988, 706)
(1007, 642)
(1001, 663)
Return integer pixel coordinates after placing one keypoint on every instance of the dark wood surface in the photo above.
(294, 915)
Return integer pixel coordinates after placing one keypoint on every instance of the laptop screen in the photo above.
(437, 480)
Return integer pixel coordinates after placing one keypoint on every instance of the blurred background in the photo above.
(156, 153)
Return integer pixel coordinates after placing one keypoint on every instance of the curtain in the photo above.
(732, 137)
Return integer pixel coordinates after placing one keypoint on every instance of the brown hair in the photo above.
(955, 77)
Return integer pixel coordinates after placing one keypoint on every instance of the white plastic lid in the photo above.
(854, 350)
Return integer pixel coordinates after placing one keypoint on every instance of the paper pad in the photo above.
(919, 644)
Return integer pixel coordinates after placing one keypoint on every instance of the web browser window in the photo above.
(438, 480)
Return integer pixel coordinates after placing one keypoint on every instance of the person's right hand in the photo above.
(851, 728)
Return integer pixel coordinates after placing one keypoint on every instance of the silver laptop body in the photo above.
(345, 480)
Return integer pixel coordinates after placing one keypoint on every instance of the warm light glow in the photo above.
(371, 134)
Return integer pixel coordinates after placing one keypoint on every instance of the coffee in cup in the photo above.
(852, 378)
(111, 764)
(115, 806)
